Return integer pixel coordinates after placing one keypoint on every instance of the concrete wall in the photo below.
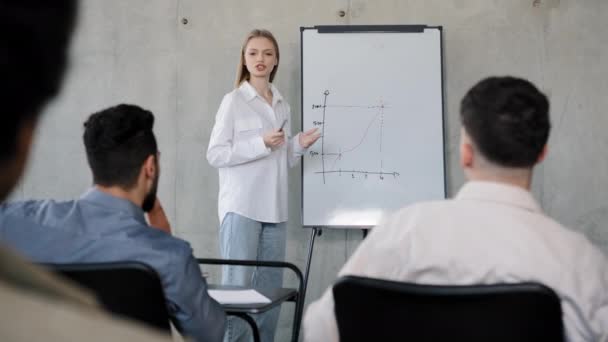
(140, 51)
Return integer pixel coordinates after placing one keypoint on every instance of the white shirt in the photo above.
(490, 233)
(253, 178)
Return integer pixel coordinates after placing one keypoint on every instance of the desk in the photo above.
(277, 296)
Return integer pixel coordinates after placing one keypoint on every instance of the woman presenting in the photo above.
(252, 148)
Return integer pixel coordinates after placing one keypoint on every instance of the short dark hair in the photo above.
(118, 140)
(34, 37)
(508, 120)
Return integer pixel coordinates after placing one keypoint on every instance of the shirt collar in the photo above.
(499, 193)
(101, 198)
(250, 93)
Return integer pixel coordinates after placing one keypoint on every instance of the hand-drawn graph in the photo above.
(330, 158)
(381, 122)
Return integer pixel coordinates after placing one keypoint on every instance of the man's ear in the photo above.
(466, 155)
(150, 169)
(543, 154)
(467, 152)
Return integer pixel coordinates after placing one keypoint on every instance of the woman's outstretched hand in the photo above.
(309, 137)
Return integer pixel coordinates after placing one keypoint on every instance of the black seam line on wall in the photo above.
(443, 110)
(302, 121)
(541, 73)
(349, 12)
(371, 28)
(176, 108)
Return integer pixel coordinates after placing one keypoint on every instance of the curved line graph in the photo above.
(339, 154)
(336, 156)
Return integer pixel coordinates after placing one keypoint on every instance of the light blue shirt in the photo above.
(99, 227)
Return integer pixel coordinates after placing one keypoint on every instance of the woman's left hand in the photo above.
(309, 137)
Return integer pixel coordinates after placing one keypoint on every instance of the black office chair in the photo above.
(129, 289)
(380, 310)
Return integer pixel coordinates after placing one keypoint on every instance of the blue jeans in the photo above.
(247, 239)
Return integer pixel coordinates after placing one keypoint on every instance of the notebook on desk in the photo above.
(249, 296)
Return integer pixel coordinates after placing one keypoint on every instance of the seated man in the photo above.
(493, 231)
(107, 223)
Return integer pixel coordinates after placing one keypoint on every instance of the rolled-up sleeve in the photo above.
(294, 149)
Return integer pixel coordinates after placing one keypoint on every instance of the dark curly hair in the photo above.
(118, 140)
(508, 120)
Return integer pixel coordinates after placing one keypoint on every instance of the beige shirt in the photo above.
(38, 306)
(490, 233)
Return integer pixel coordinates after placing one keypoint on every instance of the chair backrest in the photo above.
(130, 289)
(380, 310)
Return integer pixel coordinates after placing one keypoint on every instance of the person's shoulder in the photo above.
(231, 100)
(49, 204)
(158, 239)
(577, 239)
(408, 218)
(229, 96)
(30, 203)
(182, 246)
(144, 232)
(235, 95)
(151, 245)
(36, 207)
(177, 250)
(420, 208)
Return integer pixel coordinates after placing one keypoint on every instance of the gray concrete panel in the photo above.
(143, 52)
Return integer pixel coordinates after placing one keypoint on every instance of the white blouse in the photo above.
(253, 178)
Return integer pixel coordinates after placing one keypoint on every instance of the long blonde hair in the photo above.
(242, 74)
